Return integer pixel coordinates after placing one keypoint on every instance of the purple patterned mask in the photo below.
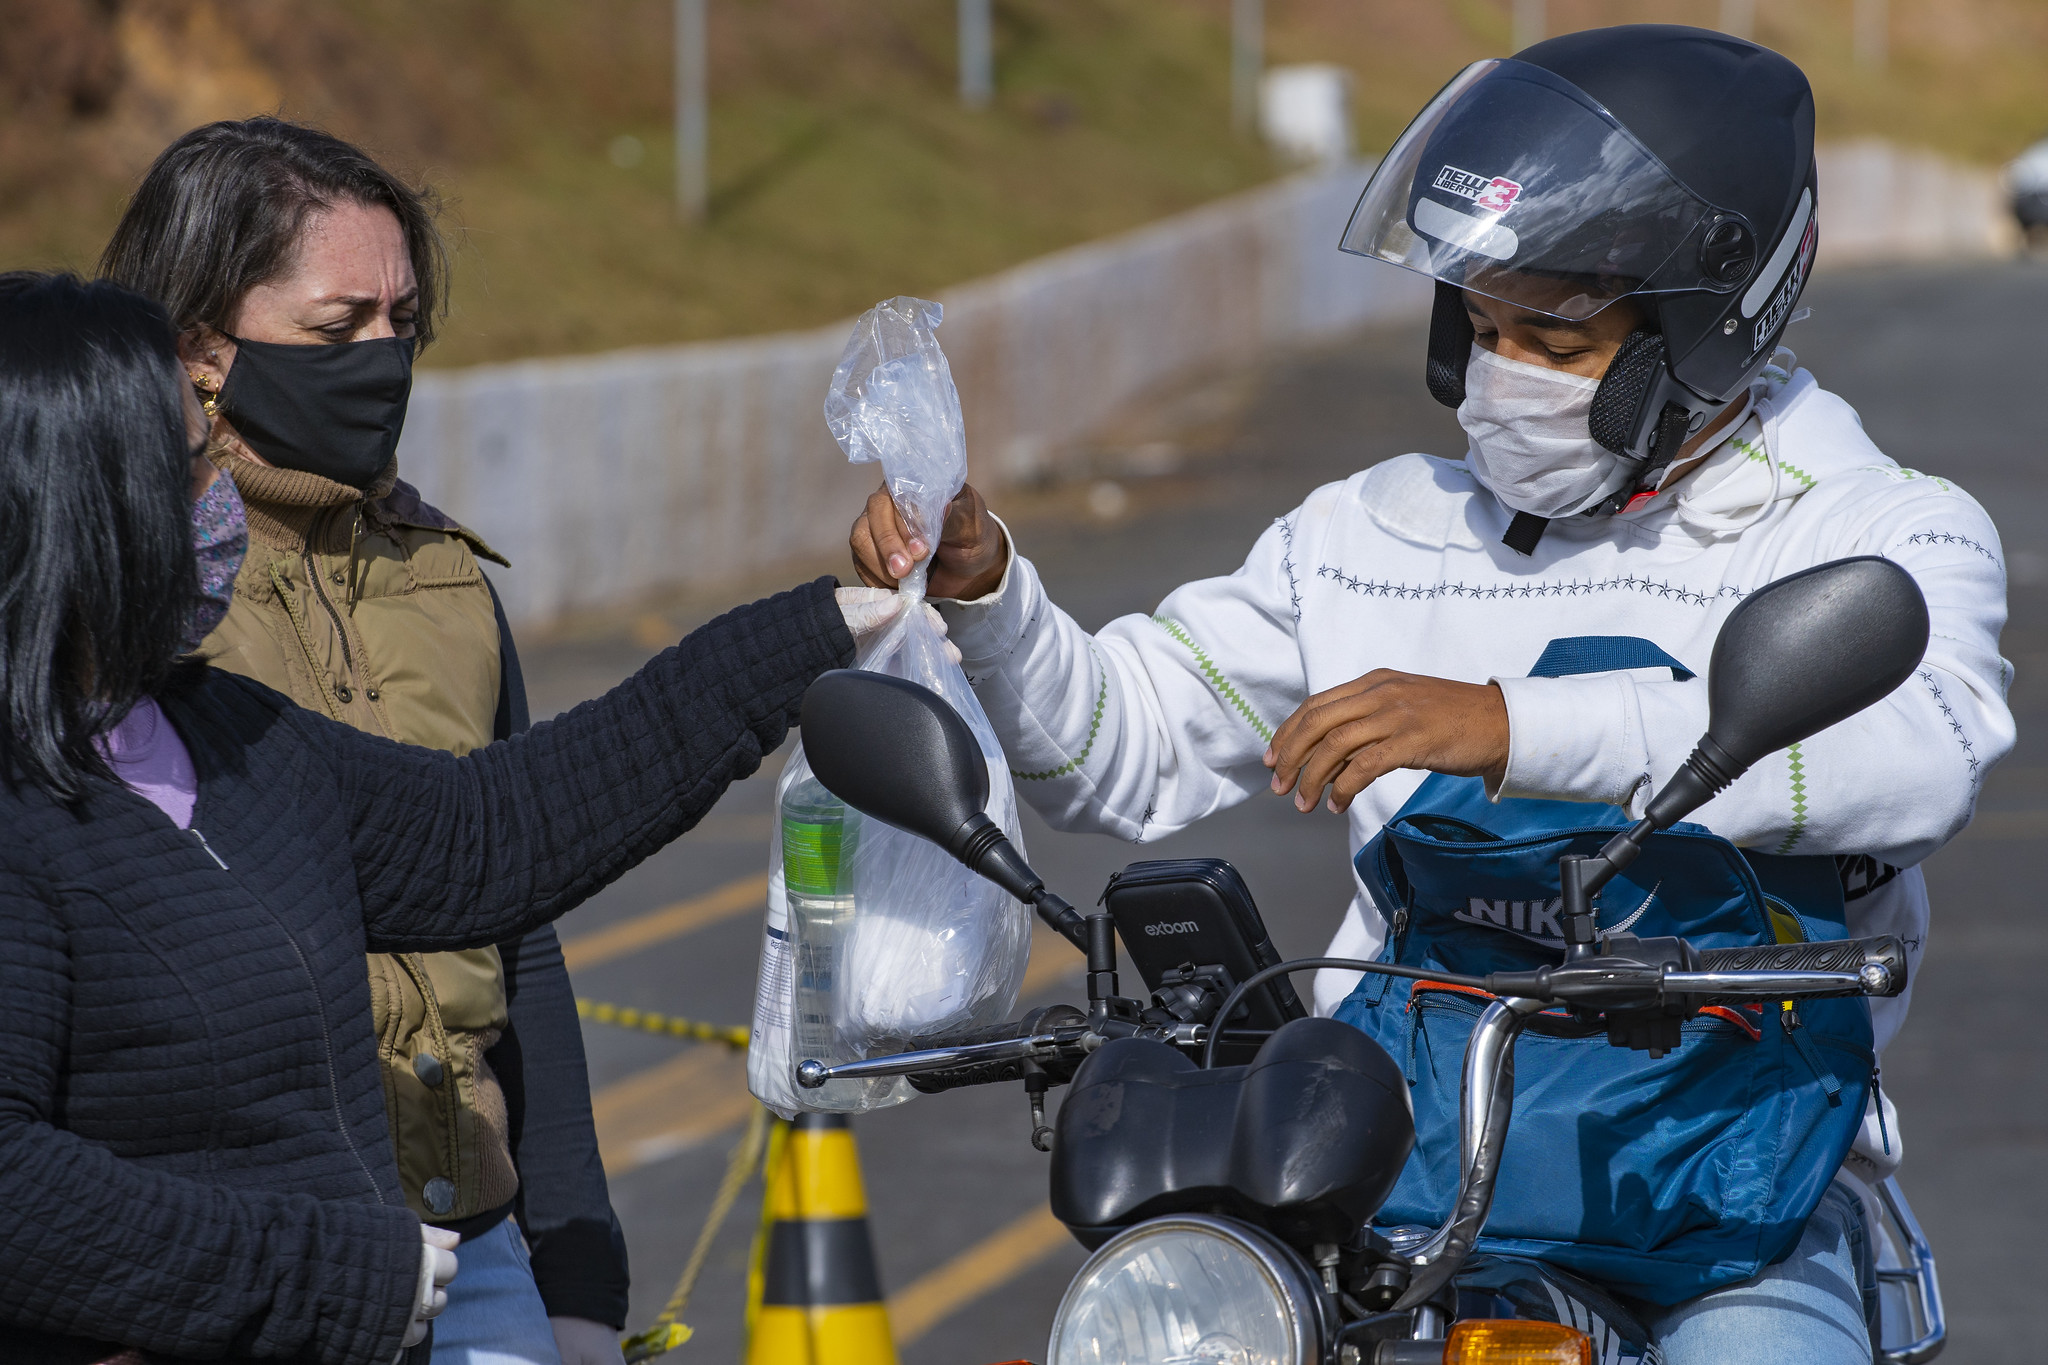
(220, 538)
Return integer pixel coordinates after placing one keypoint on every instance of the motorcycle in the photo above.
(1229, 1207)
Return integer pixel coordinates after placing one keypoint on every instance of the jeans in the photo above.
(1815, 1307)
(494, 1314)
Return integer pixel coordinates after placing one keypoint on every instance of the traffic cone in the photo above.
(820, 1298)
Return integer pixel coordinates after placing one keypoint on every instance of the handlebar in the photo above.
(1779, 971)
(1857, 966)
(1061, 1035)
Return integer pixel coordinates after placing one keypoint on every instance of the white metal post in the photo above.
(1873, 33)
(1247, 60)
(1529, 23)
(1738, 17)
(977, 53)
(692, 186)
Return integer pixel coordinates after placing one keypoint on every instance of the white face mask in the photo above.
(1530, 443)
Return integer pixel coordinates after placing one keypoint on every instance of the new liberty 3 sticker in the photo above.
(1495, 194)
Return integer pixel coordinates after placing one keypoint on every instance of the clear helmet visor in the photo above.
(1515, 184)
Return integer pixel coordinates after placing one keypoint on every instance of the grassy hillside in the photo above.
(843, 169)
(1965, 77)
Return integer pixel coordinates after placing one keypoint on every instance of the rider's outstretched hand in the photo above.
(1351, 736)
(971, 551)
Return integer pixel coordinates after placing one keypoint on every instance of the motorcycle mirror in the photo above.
(898, 752)
(1800, 654)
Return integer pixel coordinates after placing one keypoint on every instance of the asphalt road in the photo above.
(1946, 367)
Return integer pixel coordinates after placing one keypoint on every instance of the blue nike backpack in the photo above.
(1661, 1178)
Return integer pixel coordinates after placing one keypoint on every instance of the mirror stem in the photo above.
(1580, 877)
(981, 845)
(1065, 919)
(1622, 849)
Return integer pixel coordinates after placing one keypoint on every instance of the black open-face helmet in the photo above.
(1674, 165)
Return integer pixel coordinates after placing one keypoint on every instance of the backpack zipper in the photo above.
(1795, 1030)
(1780, 919)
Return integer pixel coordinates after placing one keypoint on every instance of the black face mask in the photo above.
(333, 410)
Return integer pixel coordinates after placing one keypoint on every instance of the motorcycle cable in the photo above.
(1259, 978)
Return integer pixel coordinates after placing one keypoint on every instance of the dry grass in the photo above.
(843, 170)
(1966, 77)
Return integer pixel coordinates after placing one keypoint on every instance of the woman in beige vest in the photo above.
(303, 278)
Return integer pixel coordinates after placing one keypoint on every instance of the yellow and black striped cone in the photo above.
(821, 1298)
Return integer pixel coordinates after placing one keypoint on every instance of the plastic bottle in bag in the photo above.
(820, 838)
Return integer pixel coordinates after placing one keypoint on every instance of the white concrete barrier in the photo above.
(609, 476)
(1883, 202)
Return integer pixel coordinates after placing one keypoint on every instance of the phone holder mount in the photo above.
(1192, 993)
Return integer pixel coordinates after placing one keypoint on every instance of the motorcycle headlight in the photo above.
(1188, 1290)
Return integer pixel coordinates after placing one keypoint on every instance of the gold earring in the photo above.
(209, 402)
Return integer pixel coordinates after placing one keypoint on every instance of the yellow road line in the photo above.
(671, 921)
(619, 1102)
(1053, 960)
(670, 1108)
(995, 1260)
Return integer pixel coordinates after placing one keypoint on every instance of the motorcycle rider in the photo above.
(1620, 223)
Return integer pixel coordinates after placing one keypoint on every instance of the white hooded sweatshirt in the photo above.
(1155, 722)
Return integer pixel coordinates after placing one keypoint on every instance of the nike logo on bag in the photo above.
(1528, 919)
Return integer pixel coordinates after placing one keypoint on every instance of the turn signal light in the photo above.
(1486, 1341)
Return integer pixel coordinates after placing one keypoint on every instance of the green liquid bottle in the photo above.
(819, 836)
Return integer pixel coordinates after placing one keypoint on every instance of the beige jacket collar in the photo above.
(285, 505)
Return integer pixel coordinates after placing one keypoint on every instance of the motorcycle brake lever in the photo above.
(812, 1074)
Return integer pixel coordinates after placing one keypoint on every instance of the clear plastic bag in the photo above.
(877, 941)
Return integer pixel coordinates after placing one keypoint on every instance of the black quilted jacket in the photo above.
(193, 1155)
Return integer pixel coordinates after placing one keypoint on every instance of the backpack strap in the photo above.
(1604, 654)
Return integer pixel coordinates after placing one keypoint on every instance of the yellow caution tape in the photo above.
(666, 1334)
(657, 1340)
(647, 1021)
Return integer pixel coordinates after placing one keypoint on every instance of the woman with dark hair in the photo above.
(302, 278)
(195, 1160)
